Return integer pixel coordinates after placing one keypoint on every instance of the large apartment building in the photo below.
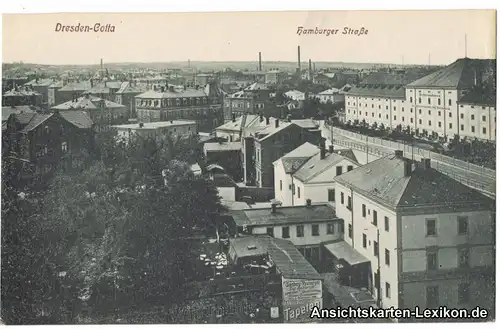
(426, 239)
(251, 100)
(433, 104)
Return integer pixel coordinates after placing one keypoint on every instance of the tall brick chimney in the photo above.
(260, 61)
(298, 58)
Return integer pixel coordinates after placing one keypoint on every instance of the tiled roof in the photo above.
(39, 83)
(391, 79)
(21, 93)
(331, 91)
(126, 87)
(221, 147)
(87, 103)
(384, 91)
(480, 96)
(383, 180)
(8, 110)
(293, 160)
(289, 261)
(79, 119)
(306, 123)
(236, 125)
(285, 215)
(151, 94)
(458, 75)
(315, 166)
(36, 119)
(77, 86)
(271, 129)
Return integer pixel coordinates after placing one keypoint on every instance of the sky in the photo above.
(398, 37)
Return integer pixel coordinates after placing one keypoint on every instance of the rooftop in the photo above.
(236, 124)
(222, 147)
(480, 96)
(87, 103)
(384, 181)
(8, 110)
(39, 82)
(78, 86)
(285, 215)
(295, 159)
(173, 93)
(132, 88)
(79, 119)
(382, 91)
(155, 125)
(461, 74)
(392, 78)
(289, 261)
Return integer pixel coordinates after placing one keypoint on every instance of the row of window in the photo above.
(432, 295)
(375, 217)
(472, 116)
(171, 102)
(299, 230)
(462, 226)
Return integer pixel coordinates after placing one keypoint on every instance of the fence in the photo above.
(424, 153)
(488, 188)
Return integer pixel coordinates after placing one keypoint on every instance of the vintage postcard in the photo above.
(249, 167)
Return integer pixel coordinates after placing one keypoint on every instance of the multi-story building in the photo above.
(53, 89)
(158, 131)
(106, 89)
(72, 90)
(127, 93)
(41, 86)
(307, 226)
(41, 142)
(425, 239)
(268, 141)
(332, 95)
(429, 105)
(21, 96)
(307, 173)
(103, 113)
(203, 105)
(275, 77)
(251, 100)
(295, 95)
(231, 130)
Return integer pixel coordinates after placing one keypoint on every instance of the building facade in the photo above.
(253, 99)
(158, 131)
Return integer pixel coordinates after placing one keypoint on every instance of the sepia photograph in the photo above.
(250, 167)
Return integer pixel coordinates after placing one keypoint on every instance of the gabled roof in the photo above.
(80, 86)
(36, 120)
(391, 78)
(315, 165)
(306, 123)
(384, 181)
(271, 129)
(39, 83)
(8, 110)
(384, 92)
(88, 103)
(79, 119)
(458, 75)
(236, 125)
(480, 96)
(257, 86)
(21, 93)
(293, 160)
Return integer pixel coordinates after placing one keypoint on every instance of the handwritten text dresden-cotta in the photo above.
(327, 32)
(97, 27)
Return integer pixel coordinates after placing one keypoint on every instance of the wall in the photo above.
(387, 239)
(477, 121)
(282, 190)
(227, 193)
(258, 194)
(308, 238)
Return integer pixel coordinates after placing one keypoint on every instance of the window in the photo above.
(432, 261)
(298, 192)
(463, 258)
(450, 125)
(430, 227)
(484, 118)
(270, 231)
(281, 185)
(462, 127)
(461, 115)
(439, 101)
(394, 117)
(364, 240)
(419, 100)
(402, 109)
(449, 102)
(419, 121)
(375, 248)
(429, 112)
(430, 123)
(64, 147)
(411, 120)
(387, 258)
(330, 229)
(315, 229)
(472, 129)
(449, 114)
(331, 194)
(472, 116)
(300, 231)
(439, 124)
(341, 227)
(387, 290)
(349, 230)
(403, 119)
(411, 99)
(484, 130)
(429, 100)
(463, 293)
(463, 225)
(341, 197)
(285, 232)
(363, 210)
(349, 203)
(386, 223)
(432, 296)
(339, 170)
(349, 168)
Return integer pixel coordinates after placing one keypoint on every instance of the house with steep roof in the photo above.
(307, 173)
(39, 143)
(425, 239)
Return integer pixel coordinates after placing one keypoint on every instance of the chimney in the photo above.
(310, 67)
(330, 148)
(273, 208)
(260, 61)
(426, 163)
(298, 57)
(408, 167)
(261, 119)
(398, 153)
(322, 151)
(234, 117)
(267, 120)
(277, 122)
(308, 203)
(102, 65)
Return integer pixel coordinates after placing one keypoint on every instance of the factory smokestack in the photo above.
(102, 65)
(260, 61)
(310, 70)
(298, 57)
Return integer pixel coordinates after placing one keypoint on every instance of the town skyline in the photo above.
(137, 39)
